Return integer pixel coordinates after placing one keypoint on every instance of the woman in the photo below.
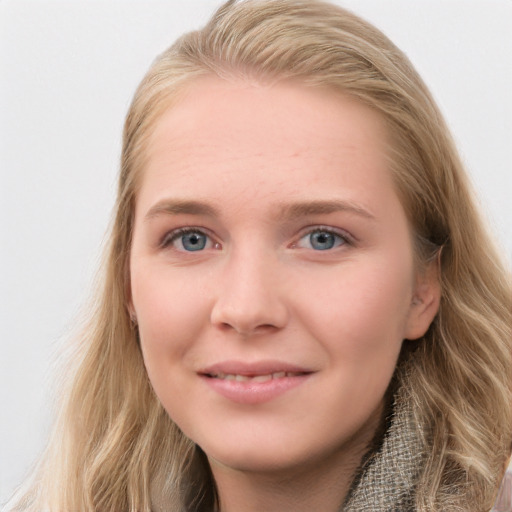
(301, 308)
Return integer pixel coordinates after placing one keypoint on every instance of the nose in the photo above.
(250, 299)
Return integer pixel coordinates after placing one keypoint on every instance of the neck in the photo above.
(318, 485)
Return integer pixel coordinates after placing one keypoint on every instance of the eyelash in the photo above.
(174, 235)
(341, 235)
(170, 237)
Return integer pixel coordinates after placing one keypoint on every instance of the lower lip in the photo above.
(250, 392)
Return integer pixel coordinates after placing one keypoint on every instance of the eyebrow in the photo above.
(287, 211)
(307, 208)
(183, 207)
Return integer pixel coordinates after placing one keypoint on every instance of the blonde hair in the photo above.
(115, 448)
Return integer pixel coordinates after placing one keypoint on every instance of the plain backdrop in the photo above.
(68, 70)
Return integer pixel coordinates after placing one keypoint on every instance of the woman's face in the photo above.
(272, 272)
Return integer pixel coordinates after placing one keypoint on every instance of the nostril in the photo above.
(248, 330)
(265, 328)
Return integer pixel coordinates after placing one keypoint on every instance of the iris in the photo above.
(322, 240)
(194, 241)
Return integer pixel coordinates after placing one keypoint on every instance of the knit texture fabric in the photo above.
(387, 479)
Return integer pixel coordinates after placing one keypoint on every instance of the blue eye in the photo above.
(190, 240)
(322, 240)
(193, 241)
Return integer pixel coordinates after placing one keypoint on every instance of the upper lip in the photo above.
(252, 368)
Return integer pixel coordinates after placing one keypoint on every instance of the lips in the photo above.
(252, 369)
(254, 378)
(253, 383)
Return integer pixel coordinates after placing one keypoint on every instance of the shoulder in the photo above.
(504, 501)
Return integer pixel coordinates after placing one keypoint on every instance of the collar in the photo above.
(387, 478)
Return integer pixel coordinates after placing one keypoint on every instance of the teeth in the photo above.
(255, 378)
(262, 378)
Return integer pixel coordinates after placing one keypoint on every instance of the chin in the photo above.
(256, 461)
(264, 457)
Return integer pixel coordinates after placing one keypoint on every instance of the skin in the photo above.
(263, 289)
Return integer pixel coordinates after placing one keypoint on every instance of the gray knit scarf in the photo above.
(387, 479)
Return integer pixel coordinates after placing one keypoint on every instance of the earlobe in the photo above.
(133, 316)
(130, 309)
(424, 303)
(128, 294)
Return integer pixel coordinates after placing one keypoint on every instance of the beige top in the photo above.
(504, 501)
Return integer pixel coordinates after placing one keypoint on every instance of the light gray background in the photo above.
(68, 70)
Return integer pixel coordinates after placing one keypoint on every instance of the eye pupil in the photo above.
(322, 240)
(193, 241)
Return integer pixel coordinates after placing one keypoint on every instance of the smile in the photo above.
(254, 378)
(255, 383)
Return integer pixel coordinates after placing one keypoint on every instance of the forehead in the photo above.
(253, 110)
(283, 138)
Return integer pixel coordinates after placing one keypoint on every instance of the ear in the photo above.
(131, 312)
(425, 301)
(128, 293)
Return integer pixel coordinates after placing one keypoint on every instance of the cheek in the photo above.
(171, 312)
(361, 310)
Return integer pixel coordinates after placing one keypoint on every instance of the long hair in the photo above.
(115, 448)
